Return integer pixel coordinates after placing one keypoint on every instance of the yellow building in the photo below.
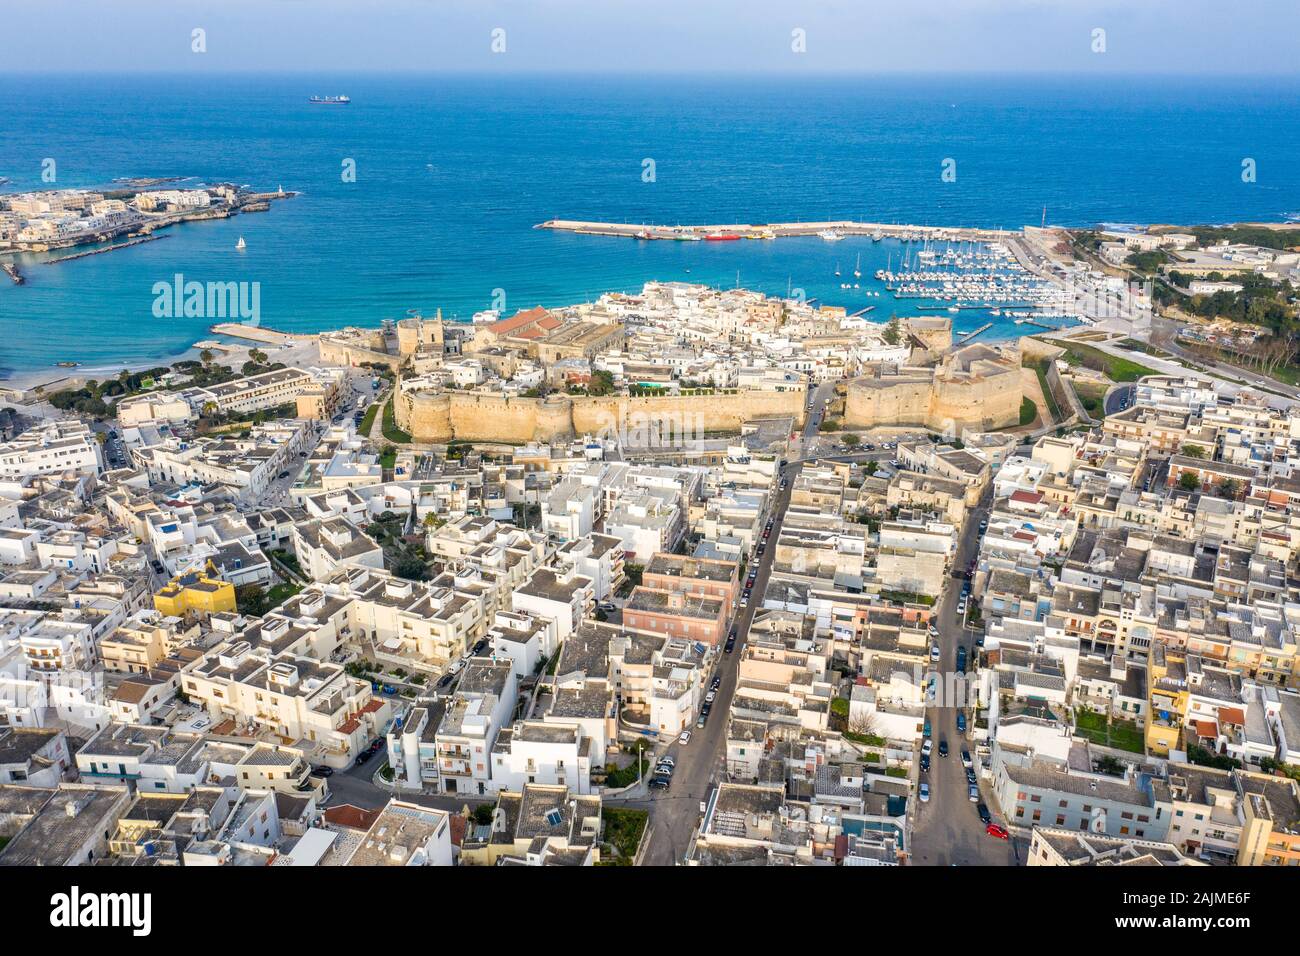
(200, 593)
(1271, 807)
(1167, 687)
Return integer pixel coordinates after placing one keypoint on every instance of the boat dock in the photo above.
(11, 270)
(966, 337)
(854, 315)
(774, 230)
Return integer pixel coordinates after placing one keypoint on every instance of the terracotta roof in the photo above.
(1206, 728)
(528, 317)
(349, 726)
(1029, 497)
(372, 705)
(347, 815)
(1232, 715)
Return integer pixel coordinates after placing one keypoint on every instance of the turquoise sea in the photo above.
(452, 173)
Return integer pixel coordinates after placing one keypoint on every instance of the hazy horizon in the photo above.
(722, 37)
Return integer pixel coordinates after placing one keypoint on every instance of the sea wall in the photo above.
(434, 416)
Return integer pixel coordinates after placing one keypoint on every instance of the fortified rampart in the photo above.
(932, 399)
(440, 416)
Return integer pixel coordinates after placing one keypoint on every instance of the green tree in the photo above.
(1189, 481)
(892, 335)
(411, 568)
(850, 440)
(1193, 451)
(205, 357)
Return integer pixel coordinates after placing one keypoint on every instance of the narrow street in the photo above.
(675, 813)
(947, 831)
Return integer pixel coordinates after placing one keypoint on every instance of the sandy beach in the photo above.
(300, 350)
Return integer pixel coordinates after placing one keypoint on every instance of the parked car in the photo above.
(925, 764)
(997, 830)
(961, 723)
(973, 794)
(925, 729)
(926, 746)
(376, 745)
(983, 811)
(729, 646)
(667, 761)
(925, 793)
(607, 606)
(704, 716)
(684, 737)
(966, 761)
(444, 681)
(708, 698)
(715, 683)
(660, 783)
(934, 652)
(322, 771)
(363, 757)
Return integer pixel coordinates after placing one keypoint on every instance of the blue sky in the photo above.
(653, 36)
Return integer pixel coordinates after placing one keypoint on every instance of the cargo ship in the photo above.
(330, 100)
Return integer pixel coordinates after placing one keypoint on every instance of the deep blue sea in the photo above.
(452, 173)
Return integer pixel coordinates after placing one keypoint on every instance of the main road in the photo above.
(675, 813)
(947, 829)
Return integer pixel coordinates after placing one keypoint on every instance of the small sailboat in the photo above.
(857, 269)
(241, 245)
(837, 268)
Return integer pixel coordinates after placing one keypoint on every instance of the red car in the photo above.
(997, 830)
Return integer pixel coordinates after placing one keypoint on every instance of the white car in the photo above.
(684, 738)
(708, 698)
(926, 747)
(925, 793)
(934, 652)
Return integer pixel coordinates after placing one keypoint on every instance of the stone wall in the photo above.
(432, 416)
(938, 403)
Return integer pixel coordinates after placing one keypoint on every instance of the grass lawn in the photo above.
(368, 420)
(1116, 369)
(1092, 398)
(1028, 411)
(391, 431)
(624, 829)
(281, 592)
(1041, 367)
(388, 458)
(1120, 734)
